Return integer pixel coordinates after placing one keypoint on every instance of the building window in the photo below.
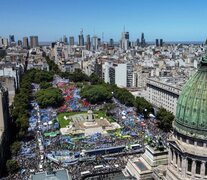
(189, 164)
(176, 156)
(180, 161)
(191, 141)
(199, 143)
(198, 167)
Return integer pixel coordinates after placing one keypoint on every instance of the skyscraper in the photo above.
(11, 40)
(34, 41)
(161, 42)
(25, 42)
(65, 39)
(126, 35)
(94, 43)
(143, 43)
(125, 40)
(81, 39)
(72, 41)
(137, 42)
(99, 42)
(19, 43)
(5, 42)
(88, 42)
(157, 42)
(111, 42)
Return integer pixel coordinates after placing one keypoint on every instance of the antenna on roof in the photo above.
(102, 37)
(81, 32)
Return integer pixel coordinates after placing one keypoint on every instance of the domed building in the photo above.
(187, 146)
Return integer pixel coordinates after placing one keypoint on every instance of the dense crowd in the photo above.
(135, 130)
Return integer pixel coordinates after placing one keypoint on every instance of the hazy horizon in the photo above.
(49, 19)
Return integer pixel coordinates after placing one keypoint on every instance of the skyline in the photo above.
(50, 20)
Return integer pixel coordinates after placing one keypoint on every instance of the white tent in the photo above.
(45, 124)
(151, 115)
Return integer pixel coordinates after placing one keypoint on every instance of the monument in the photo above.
(88, 123)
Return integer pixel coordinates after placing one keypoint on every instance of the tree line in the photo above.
(97, 92)
(20, 110)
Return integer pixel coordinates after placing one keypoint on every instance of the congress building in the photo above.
(187, 145)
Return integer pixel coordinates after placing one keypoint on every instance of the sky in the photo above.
(172, 20)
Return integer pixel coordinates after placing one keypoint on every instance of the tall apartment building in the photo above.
(88, 42)
(4, 126)
(12, 70)
(124, 75)
(111, 43)
(162, 94)
(9, 83)
(125, 40)
(11, 40)
(112, 75)
(71, 41)
(81, 39)
(5, 42)
(98, 69)
(65, 39)
(140, 75)
(25, 42)
(4, 109)
(94, 43)
(119, 74)
(34, 41)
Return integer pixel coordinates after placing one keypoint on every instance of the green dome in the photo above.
(191, 112)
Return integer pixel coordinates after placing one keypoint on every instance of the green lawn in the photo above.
(103, 114)
(99, 114)
(62, 121)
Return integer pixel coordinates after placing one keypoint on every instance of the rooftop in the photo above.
(141, 165)
(191, 107)
(56, 175)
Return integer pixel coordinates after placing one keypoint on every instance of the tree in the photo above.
(45, 85)
(123, 95)
(12, 166)
(15, 147)
(96, 93)
(165, 119)
(94, 79)
(49, 97)
(143, 106)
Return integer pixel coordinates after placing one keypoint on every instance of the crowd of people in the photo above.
(33, 153)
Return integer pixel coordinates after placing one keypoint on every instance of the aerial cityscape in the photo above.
(103, 90)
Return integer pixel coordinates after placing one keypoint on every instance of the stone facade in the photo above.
(161, 94)
(187, 158)
(187, 145)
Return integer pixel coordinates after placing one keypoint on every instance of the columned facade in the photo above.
(187, 145)
(185, 160)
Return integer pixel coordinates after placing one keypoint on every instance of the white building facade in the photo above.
(160, 94)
